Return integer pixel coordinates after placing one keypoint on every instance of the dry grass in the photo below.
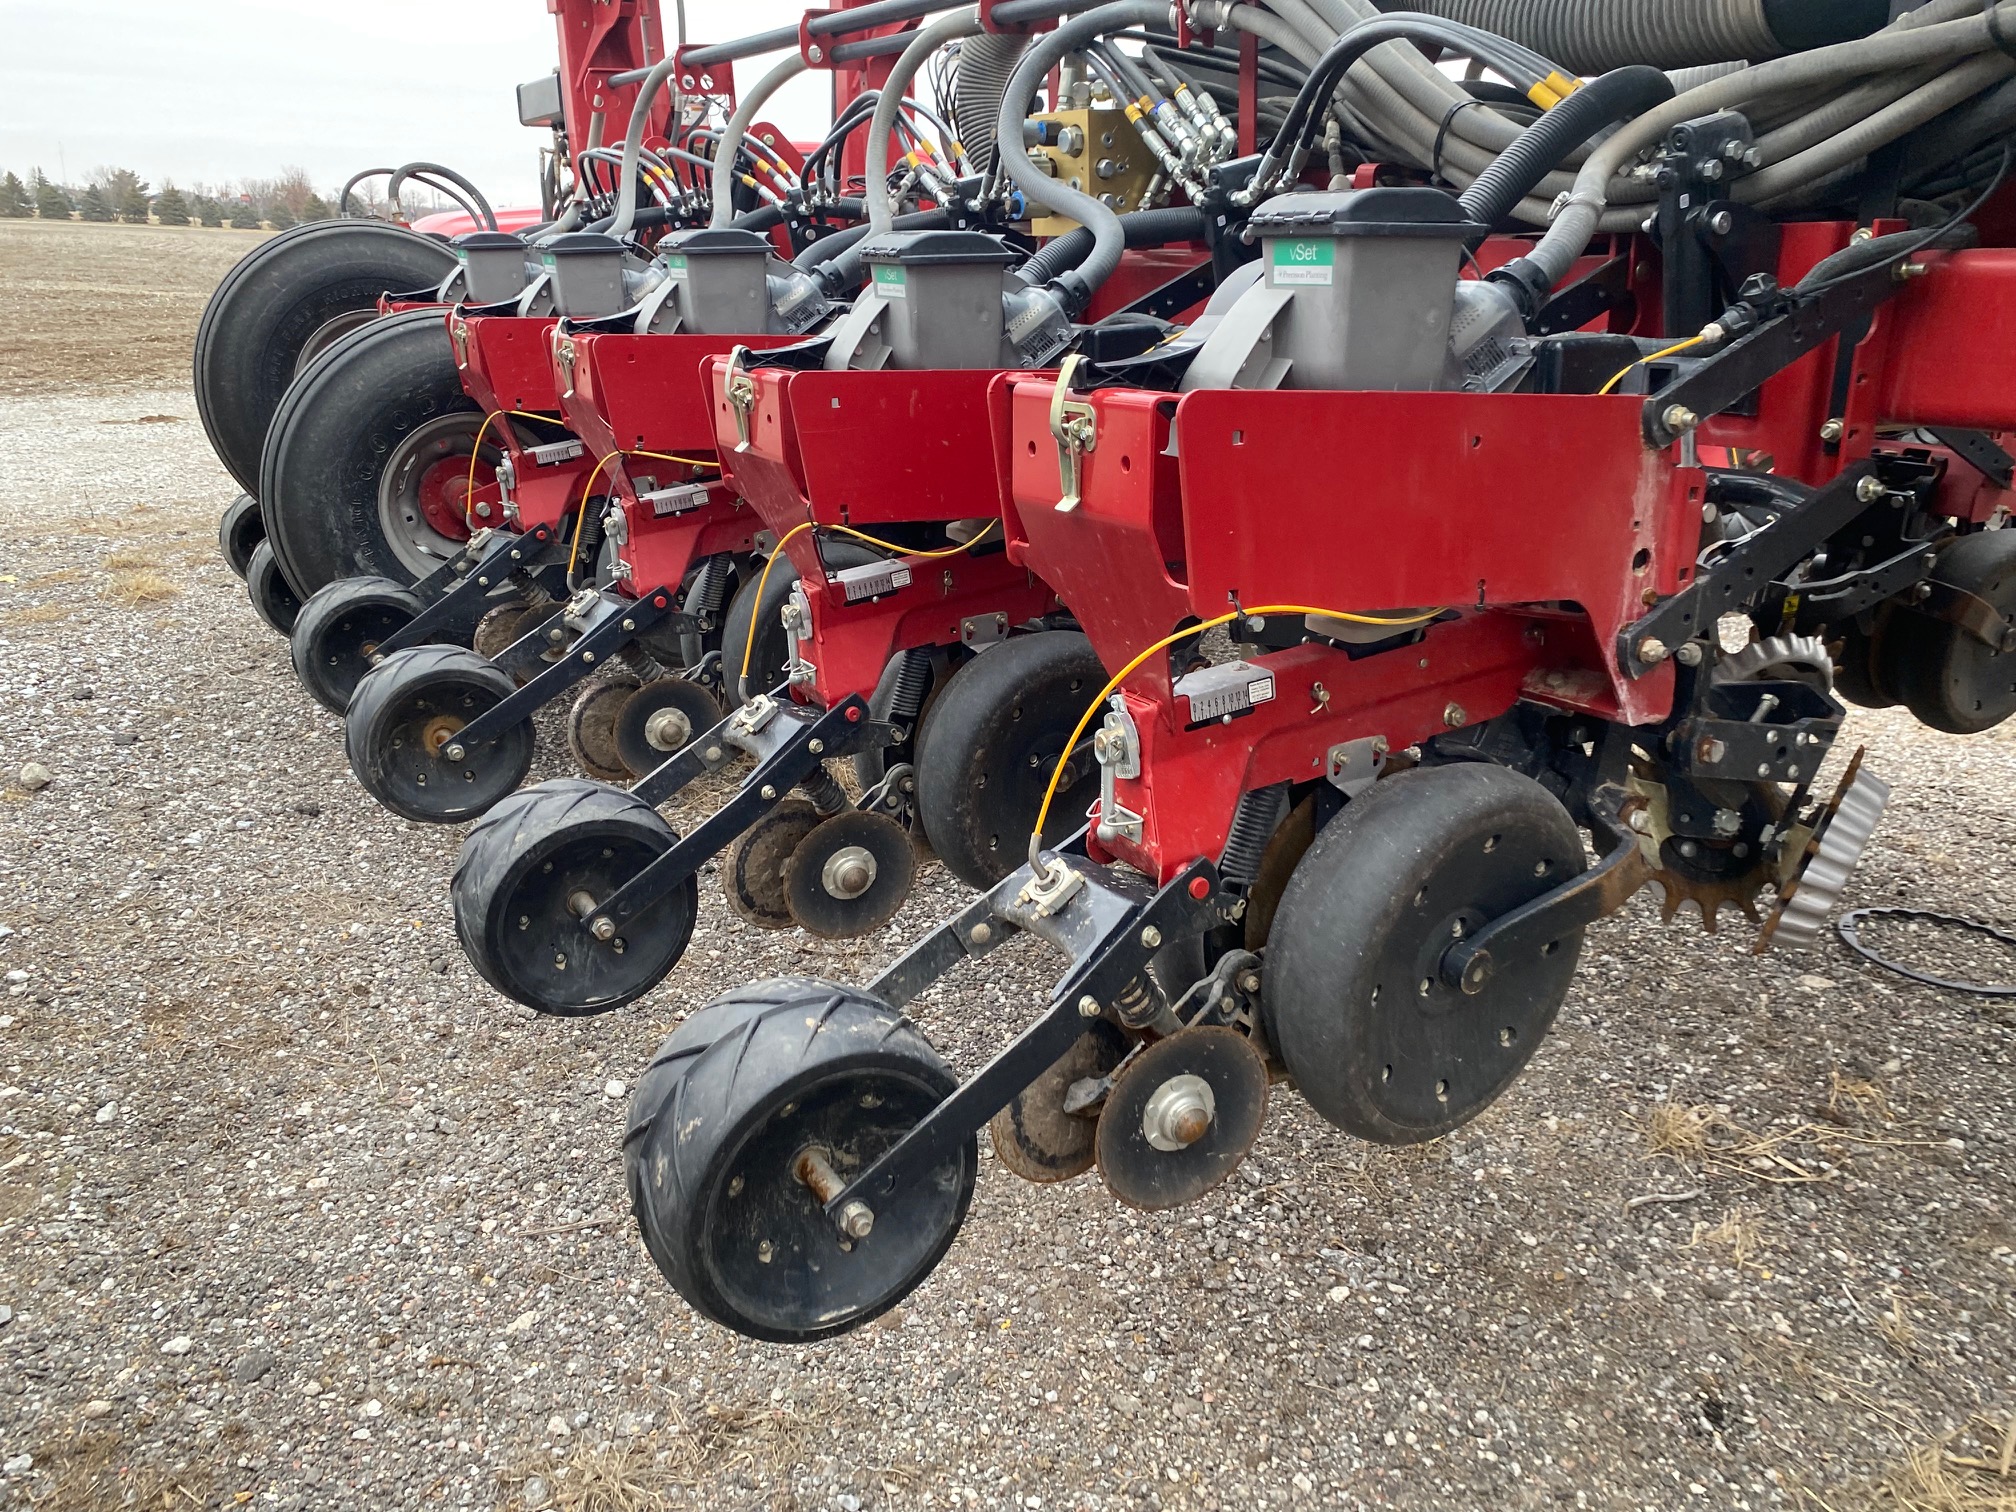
(1704, 1138)
(1736, 1230)
(640, 1474)
(88, 1471)
(1970, 1470)
(130, 561)
(136, 588)
(38, 614)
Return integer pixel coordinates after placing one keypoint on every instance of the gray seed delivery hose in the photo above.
(947, 28)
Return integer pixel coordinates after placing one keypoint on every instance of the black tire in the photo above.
(275, 303)
(870, 767)
(1944, 676)
(336, 635)
(716, 1123)
(773, 647)
(378, 410)
(995, 734)
(239, 529)
(273, 597)
(407, 708)
(1858, 669)
(518, 869)
(1375, 1040)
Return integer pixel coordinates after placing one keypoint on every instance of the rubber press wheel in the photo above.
(1354, 1001)
(336, 635)
(366, 469)
(400, 733)
(239, 529)
(284, 300)
(1948, 678)
(273, 597)
(790, 1077)
(996, 733)
(532, 871)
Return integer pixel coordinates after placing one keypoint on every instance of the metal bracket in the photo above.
(486, 564)
(1979, 451)
(1972, 613)
(979, 630)
(1073, 425)
(1356, 764)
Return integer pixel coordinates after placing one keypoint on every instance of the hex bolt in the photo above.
(1454, 716)
(1679, 419)
(629, 624)
(1870, 489)
(981, 934)
(1151, 937)
(1652, 651)
(1689, 655)
(1249, 982)
(1722, 222)
(453, 751)
(816, 1172)
(1088, 1006)
(603, 929)
(1833, 431)
(767, 791)
(815, 746)
(1640, 822)
(857, 1220)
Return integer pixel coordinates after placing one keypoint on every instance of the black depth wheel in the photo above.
(336, 635)
(273, 597)
(400, 734)
(532, 871)
(1858, 669)
(591, 728)
(773, 646)
(1943, 675)
(850, 875)
(997, 731)
(281, 299)
(723, 1141)
(660, 719)
(1354, 1000)
(239, 529)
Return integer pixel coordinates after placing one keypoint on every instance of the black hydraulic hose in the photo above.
(840, 268)
(762, 218)
(1144, 228)
(832, 246)
(1109, 237)
(486, 214)
(1546, 144)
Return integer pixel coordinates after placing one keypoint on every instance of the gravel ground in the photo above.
(294, 1212)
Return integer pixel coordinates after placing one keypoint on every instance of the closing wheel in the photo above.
(1181, 1117)
(1036, 1136)
(850, 875)
(239, 529)
(1858, 665)
(1354, 1000)
(997, 732)
(532, 872)
(659, 720)
(336, 635)
(287, 296)
(400, 734)
(730, 1149)
(591, 728)
(273, 597)
(1944, 674)
(752, 867)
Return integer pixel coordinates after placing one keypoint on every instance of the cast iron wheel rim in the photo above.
(540, 951)
(1356, 1004)
(591, 730)
(818, 877)
(423, 490)
(273, 597)
(412, 721)
(239, 531)
(637, 723)
(852, 1111)
(752, 867)
(336, 638)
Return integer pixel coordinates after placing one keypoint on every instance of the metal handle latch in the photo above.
(1073, 424)
(741, 392)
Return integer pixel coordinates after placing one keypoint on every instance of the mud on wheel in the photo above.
(534, 869)
(757, 1111)
(401, 730)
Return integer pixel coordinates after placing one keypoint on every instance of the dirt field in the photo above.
(295, 1213)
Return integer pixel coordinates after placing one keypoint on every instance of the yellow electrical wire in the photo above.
(476, 451)
(1678, 346)
(749, 645)
(1057, 772)
(581, 511)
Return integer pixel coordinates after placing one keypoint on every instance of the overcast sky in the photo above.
(214, 90)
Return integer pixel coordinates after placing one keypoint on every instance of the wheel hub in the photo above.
(436, 733)
(849, 872)
(423, 492)
(668, 730)
(1178, 1113)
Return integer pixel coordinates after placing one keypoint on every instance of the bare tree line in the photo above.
(111, 193)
